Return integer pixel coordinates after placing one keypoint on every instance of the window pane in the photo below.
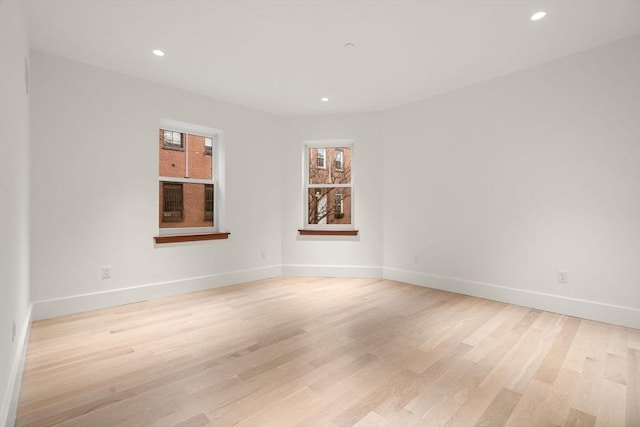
(339, 159)
(171, 202)
(339, 204)
(199, 161)
(324, 206)
(172, 163)
(183, 205)
(321, 155)
(208, 202)
(170, 139)
(337, 165)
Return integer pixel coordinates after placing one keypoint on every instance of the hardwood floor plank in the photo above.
(633, 388)
(372, 420)
(580, 419)
(558, 405)
(199, 420)
(530, 406)
(500, 409)
(554, 360)
(610, 410)
(324, 412)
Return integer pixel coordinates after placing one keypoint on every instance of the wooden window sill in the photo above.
(176, 238)
(307, 232)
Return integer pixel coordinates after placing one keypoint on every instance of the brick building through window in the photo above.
(186, 177)
(329, 186)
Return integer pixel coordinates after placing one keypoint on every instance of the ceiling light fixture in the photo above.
(349, 45)
(324, 99)
(538, 15)
(158, 52)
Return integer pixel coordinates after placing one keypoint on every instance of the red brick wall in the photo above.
(171, 161)
(199, 162)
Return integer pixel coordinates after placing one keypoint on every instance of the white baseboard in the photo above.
(79, 303)
(9, 407)
(609, 313)
(331, 270)
(601, 312)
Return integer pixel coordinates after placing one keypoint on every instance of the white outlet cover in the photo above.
(563, 276)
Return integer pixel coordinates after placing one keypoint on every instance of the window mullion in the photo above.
(185, 180)
(329, 185)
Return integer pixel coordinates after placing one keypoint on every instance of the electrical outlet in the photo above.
(106, 272)
(563, 277)
(13, 331)
(416, 259)
(263, 254)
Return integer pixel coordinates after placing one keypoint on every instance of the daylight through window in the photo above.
(328, 185)
(187, 184)
(171, 139)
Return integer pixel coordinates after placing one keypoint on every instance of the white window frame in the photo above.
(213, 142)
(335, 161)
(338, 143)
(171, 145)
(324, 157)
(217, 177)
(338, 199)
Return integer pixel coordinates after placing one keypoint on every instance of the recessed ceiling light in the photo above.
(538, 15)
(349, 45)
(324, 99)
(158, 52)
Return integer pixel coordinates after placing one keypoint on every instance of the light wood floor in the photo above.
(329, 352)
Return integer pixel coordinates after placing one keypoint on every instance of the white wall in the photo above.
(95, 191)
(14, 199)
(493, 187)
(342, 256)
(497, 186)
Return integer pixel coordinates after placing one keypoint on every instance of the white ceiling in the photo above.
(283, 56)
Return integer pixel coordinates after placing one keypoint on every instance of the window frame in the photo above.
(217, 176)
(335, 160)
(171, 146)
(164, 201)
(324, 157)
(338, 143)
(209, 150)
(208, 214)
(338, 199)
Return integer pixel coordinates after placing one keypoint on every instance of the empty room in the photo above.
(319, 213)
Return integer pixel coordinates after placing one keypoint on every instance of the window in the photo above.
(339, 207)
(328, 185)
(339, 156)
(208, 202)
(321, 158)
(187, 180)
(173, 205)
(171, 139)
